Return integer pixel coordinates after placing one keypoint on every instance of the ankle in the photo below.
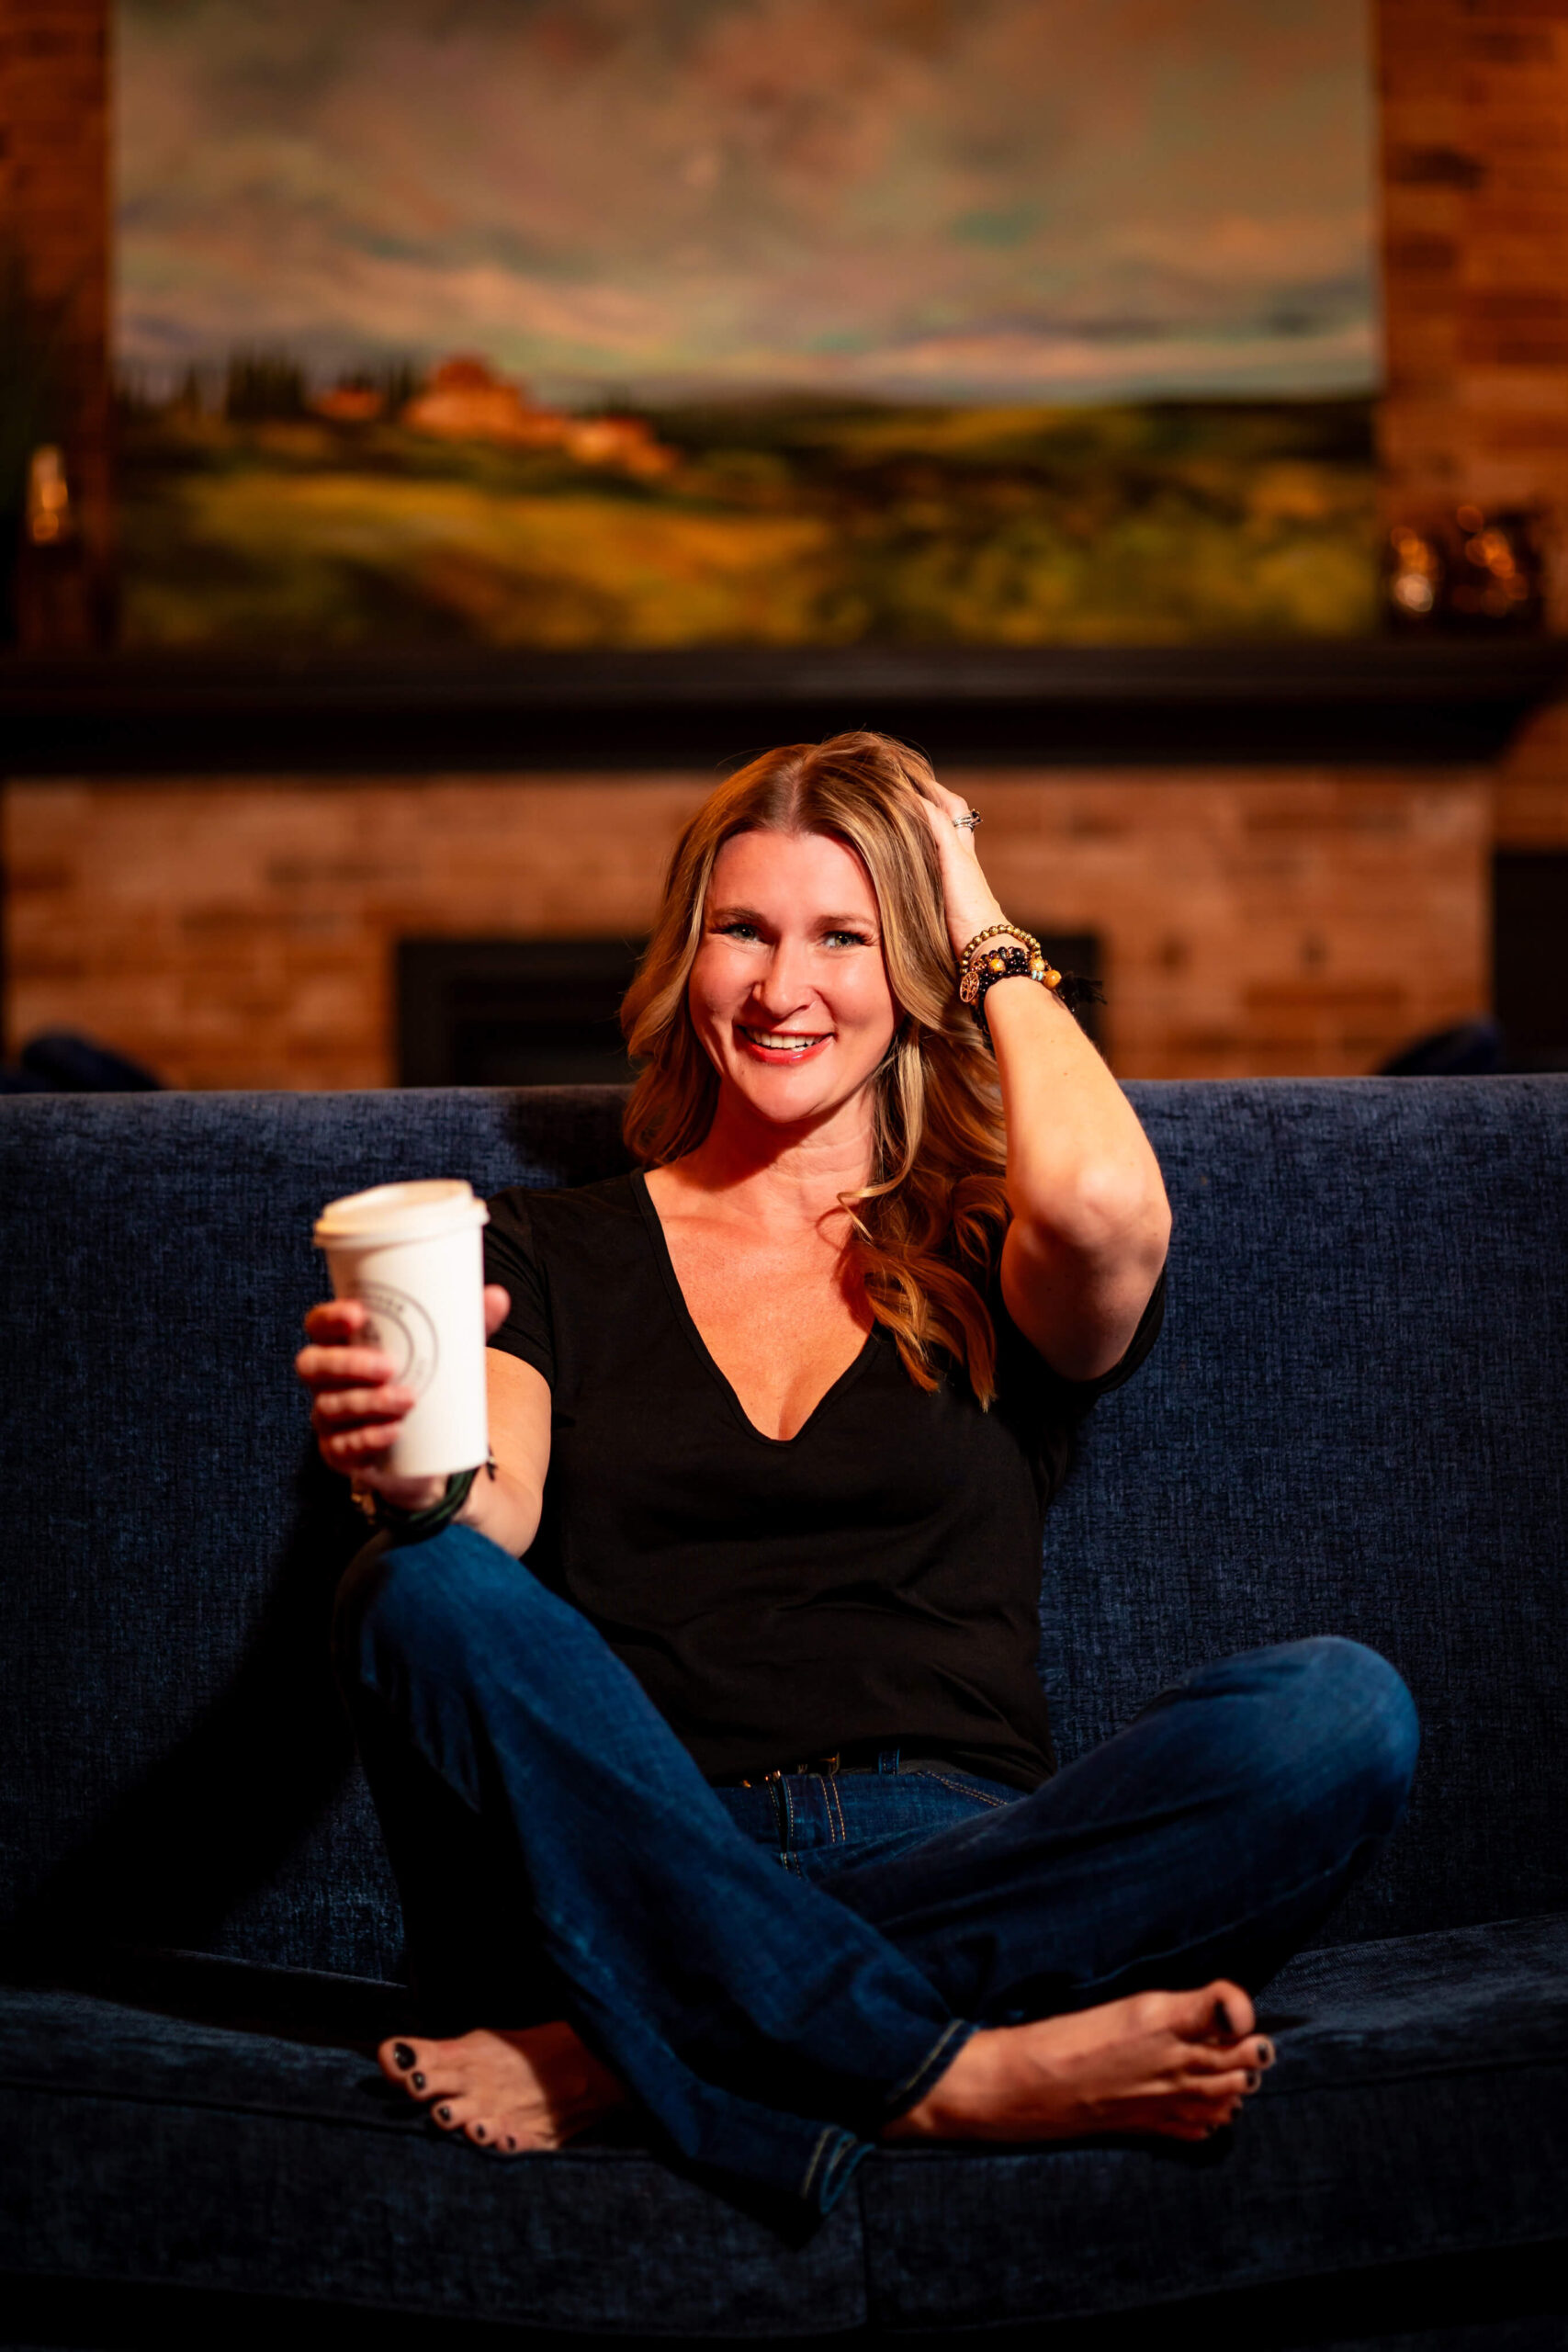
(959, 2094)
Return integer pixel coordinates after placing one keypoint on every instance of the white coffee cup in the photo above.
(412, 1254)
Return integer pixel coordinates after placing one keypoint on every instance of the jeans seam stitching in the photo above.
(960, 1788)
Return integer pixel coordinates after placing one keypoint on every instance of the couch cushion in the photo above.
(1420, 2105)
(141, 2148)
(1352, 1424)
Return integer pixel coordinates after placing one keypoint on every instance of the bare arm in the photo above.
(357, 1409)
(1090, 1222)
(507, 1507)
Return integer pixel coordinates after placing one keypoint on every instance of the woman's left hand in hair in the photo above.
(970, 902)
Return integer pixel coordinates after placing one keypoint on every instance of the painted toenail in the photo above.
(1253, 2080)
(402, 2056)
(445, 2114)
(1265, 2054)
(478, 2130)
(510, 2141)
(1222, 2021)
(418, 2081)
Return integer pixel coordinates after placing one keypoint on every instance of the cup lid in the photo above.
(416, 1211)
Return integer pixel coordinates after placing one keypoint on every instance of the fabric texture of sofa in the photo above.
(1354, 1423)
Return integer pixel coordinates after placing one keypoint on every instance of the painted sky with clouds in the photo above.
(972, 199)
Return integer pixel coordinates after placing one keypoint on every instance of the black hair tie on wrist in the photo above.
(419, 1526)
(1075, 991)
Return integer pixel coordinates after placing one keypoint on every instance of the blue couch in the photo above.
(1354, 1423)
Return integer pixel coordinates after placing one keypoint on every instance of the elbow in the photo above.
(508, 1509)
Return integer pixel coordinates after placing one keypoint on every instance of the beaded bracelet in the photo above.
(982, 964)
(1014, 963)
(990, 931)
(970, 957)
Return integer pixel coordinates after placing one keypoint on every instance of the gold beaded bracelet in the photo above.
(990, 931)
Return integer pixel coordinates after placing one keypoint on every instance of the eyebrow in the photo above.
(829, 922)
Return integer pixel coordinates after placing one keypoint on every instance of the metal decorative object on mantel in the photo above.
(1468, 570)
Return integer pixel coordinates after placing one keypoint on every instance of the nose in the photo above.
(783, 988)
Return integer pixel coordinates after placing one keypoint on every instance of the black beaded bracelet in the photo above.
(1009, 961)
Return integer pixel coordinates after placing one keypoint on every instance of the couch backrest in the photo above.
(1352, 1424)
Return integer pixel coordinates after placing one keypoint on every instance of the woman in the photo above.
(775, 1419)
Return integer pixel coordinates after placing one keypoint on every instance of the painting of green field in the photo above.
(782, 521)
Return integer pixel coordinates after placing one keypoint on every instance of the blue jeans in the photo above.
(558, 1854)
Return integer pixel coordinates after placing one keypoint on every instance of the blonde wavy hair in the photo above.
(926, 1232)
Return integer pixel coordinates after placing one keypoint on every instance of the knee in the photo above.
(438, 1600)
(1357, 1713)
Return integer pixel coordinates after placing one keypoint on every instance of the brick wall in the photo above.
(1474, 115)
(54, 219)
(242, 936)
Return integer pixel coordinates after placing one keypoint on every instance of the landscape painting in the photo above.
(561, 323)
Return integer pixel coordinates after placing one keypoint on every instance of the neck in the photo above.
(781, 1176)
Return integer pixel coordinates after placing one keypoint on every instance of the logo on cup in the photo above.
(400, 1325)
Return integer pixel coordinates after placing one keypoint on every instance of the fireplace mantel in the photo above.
(1375, 701)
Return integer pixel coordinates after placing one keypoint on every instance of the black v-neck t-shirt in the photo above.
(874, 1578)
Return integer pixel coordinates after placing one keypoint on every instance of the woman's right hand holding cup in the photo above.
(357, 1407)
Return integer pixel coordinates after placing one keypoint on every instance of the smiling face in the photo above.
(788, 993)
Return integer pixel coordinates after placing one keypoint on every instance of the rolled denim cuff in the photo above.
(833, 2160)
(935, 2063)
(837, 2152)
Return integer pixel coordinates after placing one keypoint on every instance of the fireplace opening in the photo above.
(547, 1011)
(1529, 987)
(513, 1011)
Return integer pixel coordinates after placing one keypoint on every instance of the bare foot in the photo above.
(509, 2093)
(1177, 2064)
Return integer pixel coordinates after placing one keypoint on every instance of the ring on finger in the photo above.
(967, 822)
